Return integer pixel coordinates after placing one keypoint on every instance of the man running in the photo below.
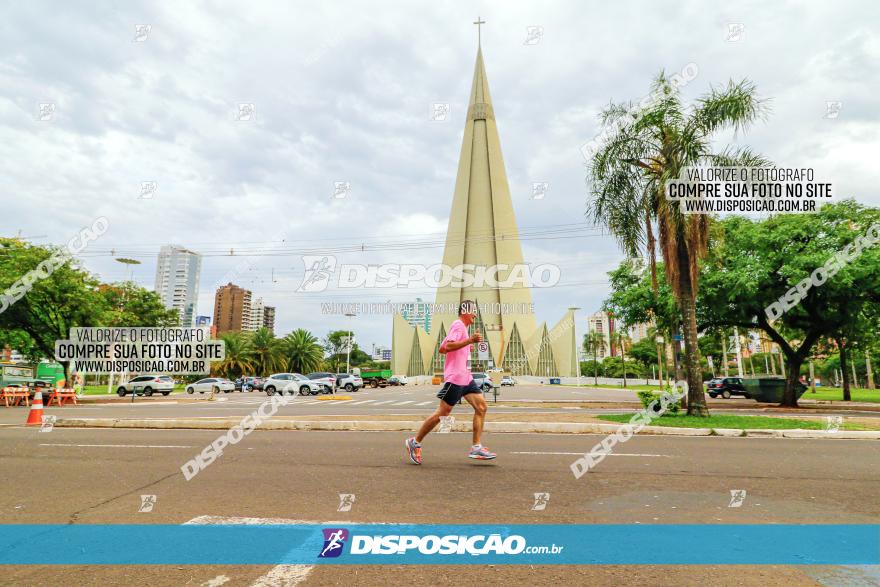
(457, 383)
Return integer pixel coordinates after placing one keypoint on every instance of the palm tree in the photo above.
(237, 358)
(302, 351)
(593, 343)
(628, 177)
(266, 351)
(621, 338)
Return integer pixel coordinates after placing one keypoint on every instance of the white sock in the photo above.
(476, 446)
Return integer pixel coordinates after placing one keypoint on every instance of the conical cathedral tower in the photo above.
(482, 235)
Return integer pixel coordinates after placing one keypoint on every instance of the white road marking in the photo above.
(366, 401)
(403, 403)
(116, 445)
(384, 402)
(612, 454)
(425, 404)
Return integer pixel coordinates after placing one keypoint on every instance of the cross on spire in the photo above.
(479, 22)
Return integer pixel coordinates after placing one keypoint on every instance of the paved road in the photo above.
(416, 401)
(88, 476)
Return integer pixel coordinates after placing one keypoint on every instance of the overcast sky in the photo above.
(343, 91)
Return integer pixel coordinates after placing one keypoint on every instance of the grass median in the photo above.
(738, 422)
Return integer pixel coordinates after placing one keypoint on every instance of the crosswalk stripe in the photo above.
(366, 401)
(403, 403)
(425, 404)
(384, 402)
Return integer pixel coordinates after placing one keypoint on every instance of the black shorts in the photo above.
(451, 393)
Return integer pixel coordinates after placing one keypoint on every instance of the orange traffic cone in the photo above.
(35, 416)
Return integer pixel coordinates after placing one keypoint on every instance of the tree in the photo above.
(238, 358)
(593, 343)
(628, 177)
(267, 353)
(621, 339)
(68, 297)
(302, 351)
(128, 304)
(755, 263)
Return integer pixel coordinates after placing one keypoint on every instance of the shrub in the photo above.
(647, 397)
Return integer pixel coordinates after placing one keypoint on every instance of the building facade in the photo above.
(232, 309)
(177, 280)
(603, 323)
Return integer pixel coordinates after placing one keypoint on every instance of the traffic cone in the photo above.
(35, 416)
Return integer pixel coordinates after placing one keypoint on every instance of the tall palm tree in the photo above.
(303, 352)
(621, 339)
(628, 177)
(593, 343)
(237, 359)
(267, 352)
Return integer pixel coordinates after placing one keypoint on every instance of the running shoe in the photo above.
(482, 453)
(414, 449)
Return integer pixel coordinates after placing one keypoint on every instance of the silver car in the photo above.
(147, 385)
(349, 382)
(209, 384)
(291, 383)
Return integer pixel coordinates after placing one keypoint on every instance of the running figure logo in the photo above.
(334, 542)
(346, 500)
(541, 501)
(319, 268)
(737, 497)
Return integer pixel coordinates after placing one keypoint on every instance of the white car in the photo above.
(349, 382)
(291, 383)
(215, 384)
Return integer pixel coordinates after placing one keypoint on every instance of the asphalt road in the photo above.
(417, 401)
(90, 476)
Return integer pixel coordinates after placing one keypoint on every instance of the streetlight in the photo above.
(130, 263)
(577, 362)
(350, 315)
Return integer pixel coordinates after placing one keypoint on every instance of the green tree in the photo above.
(303, 351)
(128, 304)
(267, 352)
(68, 297)
(754, 263)
(238, 358)
(593, 343)
(630, 170)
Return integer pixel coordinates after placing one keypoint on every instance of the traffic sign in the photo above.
(483, 351)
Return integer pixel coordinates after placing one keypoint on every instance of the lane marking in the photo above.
(425, 404)
(116, 445)
(612, 454)
(365, 401)
(383, 402)
(403, 403)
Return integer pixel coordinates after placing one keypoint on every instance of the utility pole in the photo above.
(870, 372)
(739, 358)
(348, 344)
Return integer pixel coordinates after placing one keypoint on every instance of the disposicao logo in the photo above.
(334, 542)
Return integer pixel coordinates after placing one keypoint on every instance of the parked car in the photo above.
(483, 381)
(328, 380)
(147, 385)
(507, 380)
(398, 380)
(726, 387)
(349, 382)
(209, 384)
(252, 383)
(291, 383)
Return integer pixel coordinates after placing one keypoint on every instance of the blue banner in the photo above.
(617, 544)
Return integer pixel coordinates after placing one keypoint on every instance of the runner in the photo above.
(457, 383)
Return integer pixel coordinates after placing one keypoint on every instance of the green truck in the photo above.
(27, 375)
(373, 377)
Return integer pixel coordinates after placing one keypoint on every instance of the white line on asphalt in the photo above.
(403, 403)
(611, 454)
(425, 404)
(116, 445)
(384, 402)
(366, 401)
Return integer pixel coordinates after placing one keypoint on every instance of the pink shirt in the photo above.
(455, 369)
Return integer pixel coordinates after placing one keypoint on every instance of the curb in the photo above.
(500, 427)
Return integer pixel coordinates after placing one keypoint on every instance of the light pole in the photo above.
(130, 263)
(577, 362)
(348, 344)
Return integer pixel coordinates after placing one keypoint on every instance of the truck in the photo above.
(373, 377)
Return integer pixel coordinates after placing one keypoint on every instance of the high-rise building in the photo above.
(255, 316)
(603, 323)
(482, 235)
(417, 313)
(269, 318)
(232, 309)
(639, 331)
(177, 280)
